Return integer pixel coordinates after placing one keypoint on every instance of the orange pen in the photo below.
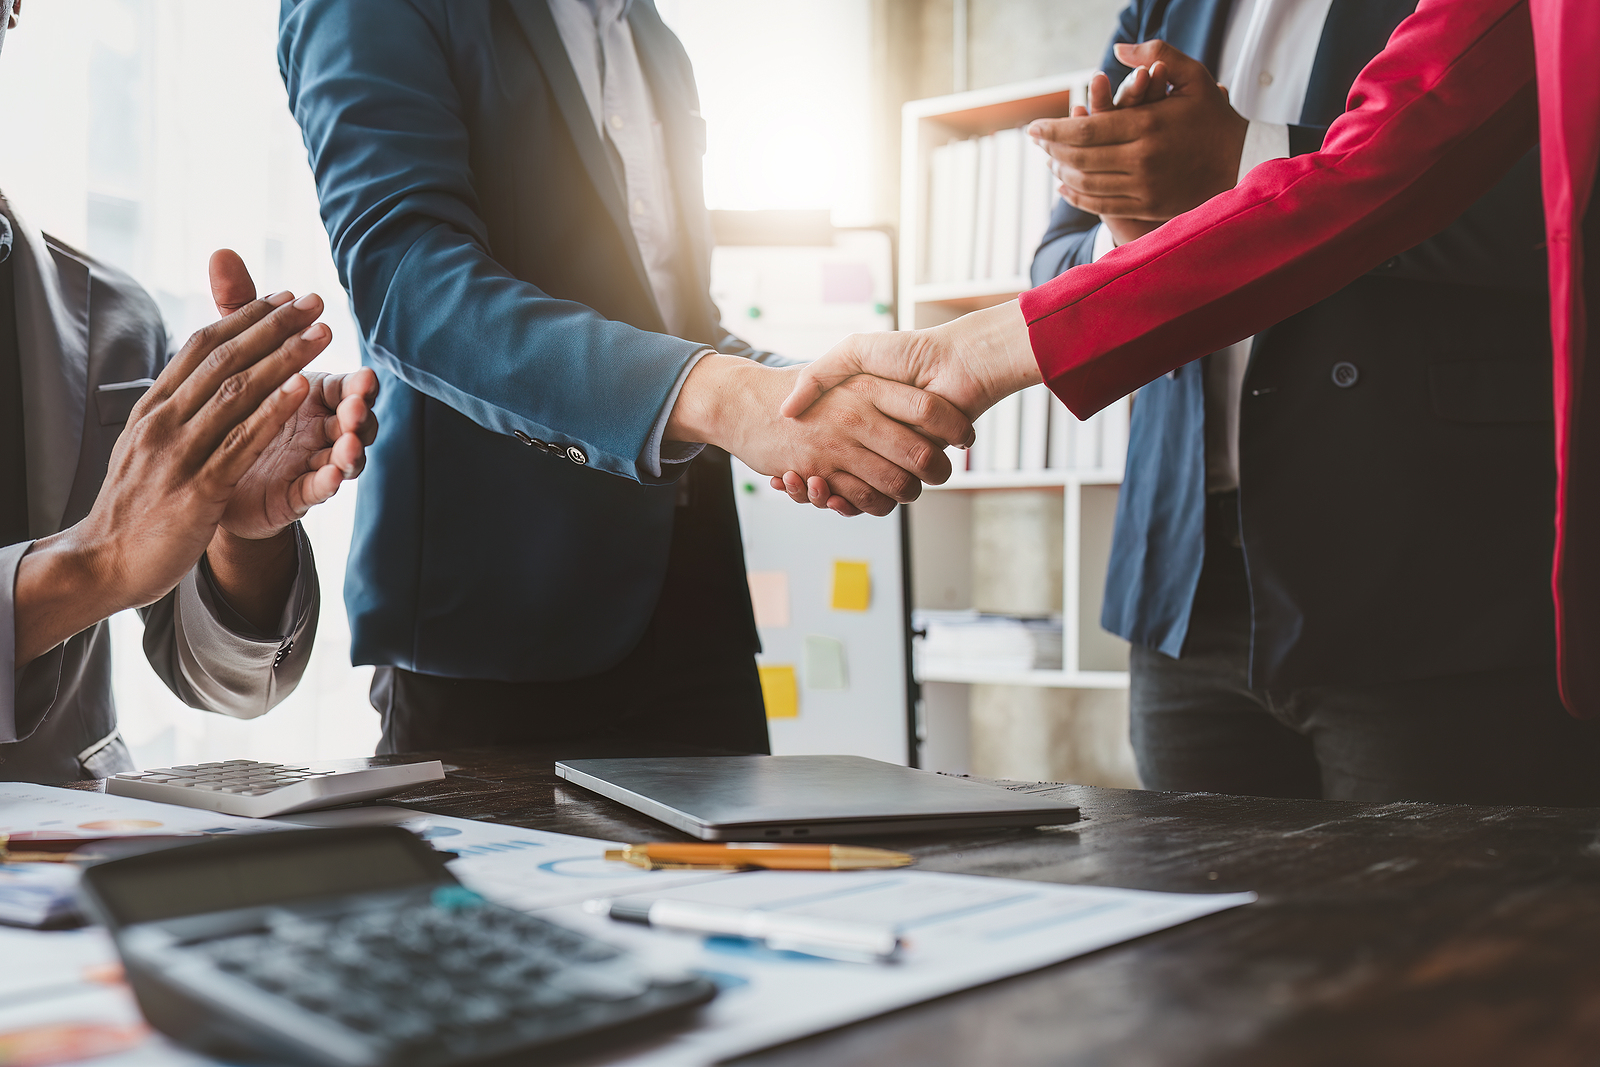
(767, 854)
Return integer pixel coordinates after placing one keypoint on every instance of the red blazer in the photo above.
(1433, 122)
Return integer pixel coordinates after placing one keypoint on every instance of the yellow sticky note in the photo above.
(779, 692)
(852, 585)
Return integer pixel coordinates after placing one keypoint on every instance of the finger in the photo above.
(239, 394)
(1079, 111)
(245, 440)
(859, 495)
(231, 285)
(1108, 184)
(843, 507)
(1131, 91)
(931, 415)
(1100, 98)
(1118, 126)
(1183, 73)
(1157, 89)
(1117, 207)
(794, 485)
(233, 356)
(817, 378)
(349, 455)
(201, 344)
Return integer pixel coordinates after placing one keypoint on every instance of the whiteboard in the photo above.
(870, 715)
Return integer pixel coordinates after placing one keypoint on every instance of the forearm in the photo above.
(62, 588)
(256, 577)
(1437, 118)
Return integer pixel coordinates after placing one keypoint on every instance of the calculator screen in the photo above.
(266, 874)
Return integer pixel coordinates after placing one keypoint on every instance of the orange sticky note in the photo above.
(779, 691)
(769, 596)
(852, 585)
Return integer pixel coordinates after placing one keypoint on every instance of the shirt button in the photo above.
(524, 438)
(1345, 374)
(616, 122)
(575, 454)
(1265, 78)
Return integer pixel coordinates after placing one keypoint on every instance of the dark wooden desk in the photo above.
(1394, 934)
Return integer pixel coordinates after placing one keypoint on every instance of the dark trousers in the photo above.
(691, 680)
(1491, 737)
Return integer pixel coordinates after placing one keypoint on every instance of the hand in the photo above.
(1170, 153)
(875, 441)
(972, 362)
(322, 445)
(188, 443)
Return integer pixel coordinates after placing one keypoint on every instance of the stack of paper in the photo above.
(38, 894)
(978, 641)
(989, 203)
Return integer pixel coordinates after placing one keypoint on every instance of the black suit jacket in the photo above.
(1397, 525)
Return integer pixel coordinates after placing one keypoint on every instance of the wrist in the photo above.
(995, 345)
(64, 585)
(254, 575)
(706, 402)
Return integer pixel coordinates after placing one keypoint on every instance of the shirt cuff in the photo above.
(655, 453)
(1103, 242)
(1263, 141)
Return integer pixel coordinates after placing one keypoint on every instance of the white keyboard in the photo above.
(258, 790)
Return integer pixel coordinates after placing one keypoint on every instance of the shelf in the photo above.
(982, 111)
(971, 295)
(1052, 679)
(1045, 479)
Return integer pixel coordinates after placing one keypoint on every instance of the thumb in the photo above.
(818, 377)
(231, 285)
(1183, 71)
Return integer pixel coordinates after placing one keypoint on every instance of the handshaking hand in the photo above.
(972, 362)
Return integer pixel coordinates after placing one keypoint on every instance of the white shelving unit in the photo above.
(941, 521)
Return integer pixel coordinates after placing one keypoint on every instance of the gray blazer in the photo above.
(91, 342)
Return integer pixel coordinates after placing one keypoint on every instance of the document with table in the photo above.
(958, 931)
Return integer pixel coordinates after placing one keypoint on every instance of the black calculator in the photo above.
(358, 948)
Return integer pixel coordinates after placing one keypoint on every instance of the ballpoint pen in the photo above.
(833, 938)
(735, 856)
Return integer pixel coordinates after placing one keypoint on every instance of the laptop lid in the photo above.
(753, 798)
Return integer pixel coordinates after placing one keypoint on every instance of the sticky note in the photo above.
(824, 663)
(779, 692)
(769, 595)
(852, 585)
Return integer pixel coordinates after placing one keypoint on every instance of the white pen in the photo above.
(834, 938)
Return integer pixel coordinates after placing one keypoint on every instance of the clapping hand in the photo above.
(321, 445)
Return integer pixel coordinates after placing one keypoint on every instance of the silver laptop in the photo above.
(755, 798)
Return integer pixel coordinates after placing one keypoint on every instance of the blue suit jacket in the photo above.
(1399, 527)
(481, 233)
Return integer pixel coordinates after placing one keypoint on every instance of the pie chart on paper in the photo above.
(120, 826)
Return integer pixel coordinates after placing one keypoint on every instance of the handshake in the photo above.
(867, 424)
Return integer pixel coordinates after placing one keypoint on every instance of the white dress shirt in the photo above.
(599, 44)
(1267, 53)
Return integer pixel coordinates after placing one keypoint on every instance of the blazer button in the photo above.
(1345, 374)
(575, 454)
(524, 438)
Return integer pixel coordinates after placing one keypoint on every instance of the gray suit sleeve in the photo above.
(212, 659)
(26, 696)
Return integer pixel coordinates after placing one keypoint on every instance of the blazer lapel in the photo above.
(1197, 29)
(545, 40)
(1355, 31)
(53, 338)
(668, 72)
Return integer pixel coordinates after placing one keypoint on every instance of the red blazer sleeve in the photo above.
(1433, 122)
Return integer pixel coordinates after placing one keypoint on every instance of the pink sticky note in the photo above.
(769, 595)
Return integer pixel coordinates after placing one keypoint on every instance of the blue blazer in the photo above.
(1397, 526)
(479, 228)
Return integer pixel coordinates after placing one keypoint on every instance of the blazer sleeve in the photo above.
(1435, 120)
(213, 659)
(370, 85)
